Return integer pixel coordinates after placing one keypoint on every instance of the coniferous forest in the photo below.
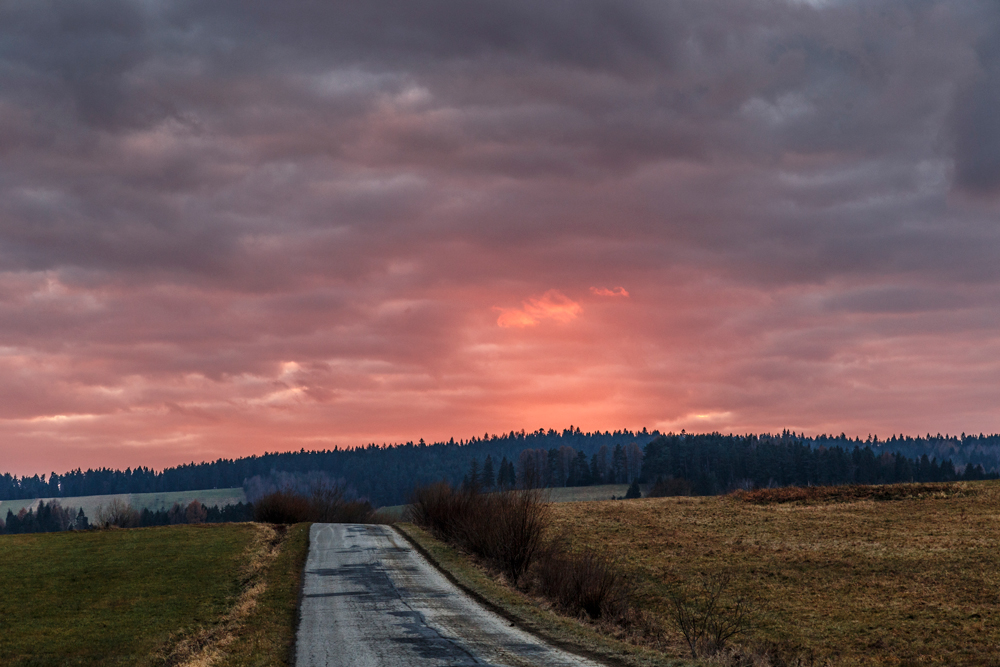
(707, 463)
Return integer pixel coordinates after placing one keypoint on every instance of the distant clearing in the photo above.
(895, 575)
(152, 501)
(569, 494)
(572, 494)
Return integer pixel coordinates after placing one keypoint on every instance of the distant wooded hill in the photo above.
(711, 463)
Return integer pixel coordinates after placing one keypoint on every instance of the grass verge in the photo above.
(267, 636)
(533, 615)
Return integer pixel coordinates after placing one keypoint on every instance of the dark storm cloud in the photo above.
(78, 53)
(187, 137)
(976, 121)
(593, 33)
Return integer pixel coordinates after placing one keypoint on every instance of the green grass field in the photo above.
(141, 596)
(153, 501)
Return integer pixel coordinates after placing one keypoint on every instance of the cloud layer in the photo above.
(231, 227)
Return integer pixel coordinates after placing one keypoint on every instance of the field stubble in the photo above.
(863, 582)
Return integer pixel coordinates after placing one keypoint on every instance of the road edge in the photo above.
(617, 653)
(293, 650)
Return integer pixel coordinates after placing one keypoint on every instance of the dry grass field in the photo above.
(910, 577)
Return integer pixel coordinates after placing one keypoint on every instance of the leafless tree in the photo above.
(711, 615)
(117, 513)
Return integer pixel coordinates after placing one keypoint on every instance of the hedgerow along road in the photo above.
(370, 600)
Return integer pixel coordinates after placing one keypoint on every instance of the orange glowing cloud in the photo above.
(604, 291)
(553, 305)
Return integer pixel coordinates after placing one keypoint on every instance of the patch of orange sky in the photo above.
(697, 357)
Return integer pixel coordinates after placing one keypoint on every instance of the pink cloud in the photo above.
(604, 291)
(553, 305)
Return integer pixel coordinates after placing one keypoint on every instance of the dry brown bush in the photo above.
(281, 507)
(328, 504)
(325, 505)
(506, 528)
(582, 582)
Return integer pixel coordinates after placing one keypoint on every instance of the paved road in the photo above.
(370, 600)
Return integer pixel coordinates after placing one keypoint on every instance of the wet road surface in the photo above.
(370, 600)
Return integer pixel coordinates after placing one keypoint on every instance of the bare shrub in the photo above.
(434, 508)
(766, 654)
(281, 507)
(116, 514)
(582, 582)
(665, 488)
(511, 530)
(711, 615)
(505, 528)
(326, 504)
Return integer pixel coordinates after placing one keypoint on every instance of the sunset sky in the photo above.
(235, 226)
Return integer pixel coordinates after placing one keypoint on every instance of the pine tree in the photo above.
(487, 477)
(596, 475)
(619, 465)
(473, 481)
(506, 477)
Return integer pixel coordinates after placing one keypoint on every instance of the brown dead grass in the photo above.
(851, 493)
(208, 645)
(847, 581)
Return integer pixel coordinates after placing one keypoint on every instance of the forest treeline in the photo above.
(385, 474)
(711, 463)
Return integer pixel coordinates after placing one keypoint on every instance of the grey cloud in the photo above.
(219, 139)
(898, 300)
(80, 53)
(593, 33)
(976, 121)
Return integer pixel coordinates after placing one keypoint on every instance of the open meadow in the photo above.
(150, 596)
(902, 578)
(153, 501)
(576, 494)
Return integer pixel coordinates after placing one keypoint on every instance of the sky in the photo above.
(235, 227)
